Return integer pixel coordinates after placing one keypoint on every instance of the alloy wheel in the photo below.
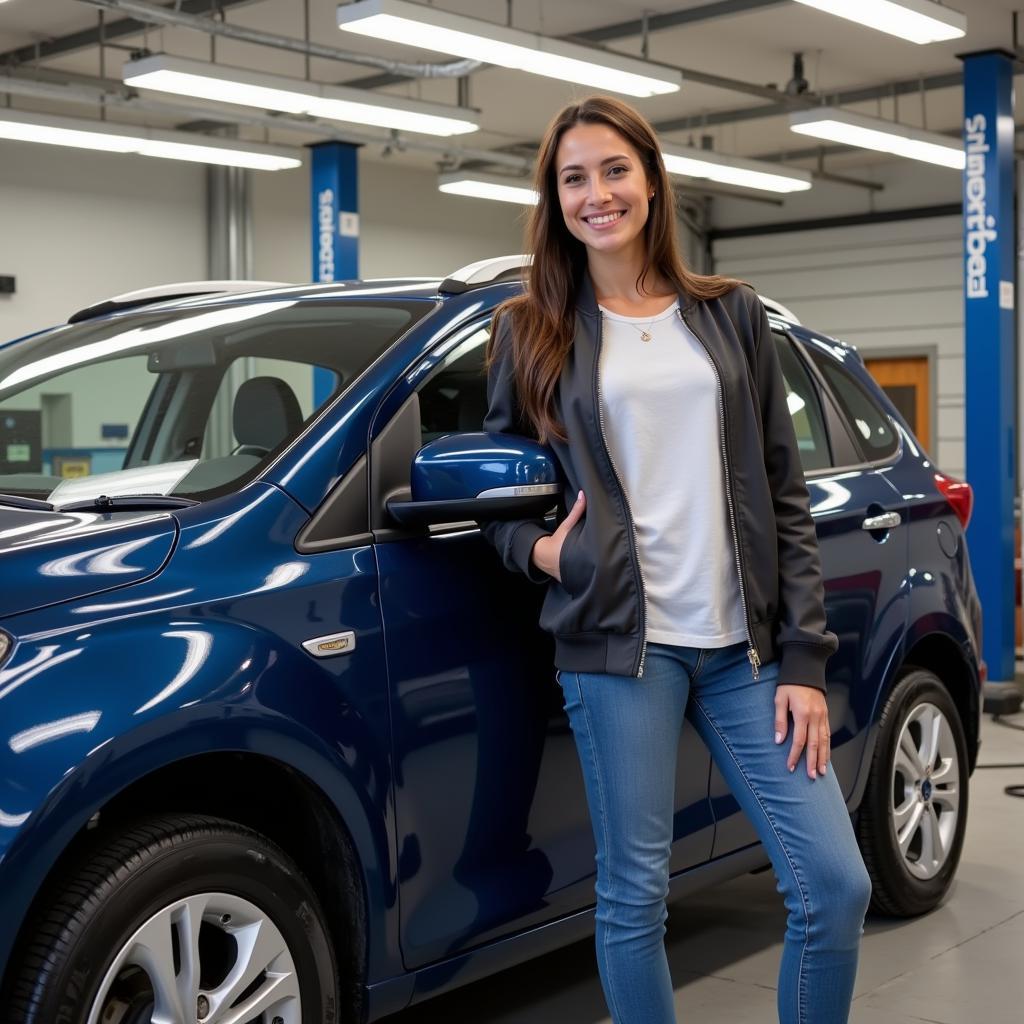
(925, 796)
(211, 958)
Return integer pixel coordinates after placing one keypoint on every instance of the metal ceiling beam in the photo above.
(76, 41)
(847, 220)
(947, 80)
(655, 22)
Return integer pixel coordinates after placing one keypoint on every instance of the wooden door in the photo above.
(905, 381)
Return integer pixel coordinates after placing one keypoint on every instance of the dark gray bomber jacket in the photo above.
(597, 612)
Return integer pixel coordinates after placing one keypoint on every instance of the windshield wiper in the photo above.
(17, 501)
(128, 503)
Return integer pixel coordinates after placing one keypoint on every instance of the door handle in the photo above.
(885, 521)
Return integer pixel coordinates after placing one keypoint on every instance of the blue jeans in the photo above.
(627, 735)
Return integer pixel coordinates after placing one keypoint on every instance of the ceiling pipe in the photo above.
(155, 15)
(396, 71)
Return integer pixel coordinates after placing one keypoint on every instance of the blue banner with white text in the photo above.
(335, 226)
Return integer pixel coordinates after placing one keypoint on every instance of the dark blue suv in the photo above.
(280, 738)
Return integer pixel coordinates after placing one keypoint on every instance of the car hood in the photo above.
(49, 557)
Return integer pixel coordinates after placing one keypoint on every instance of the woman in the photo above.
(685, 578)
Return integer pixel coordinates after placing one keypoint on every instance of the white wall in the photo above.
(77, 227)
(890, 288)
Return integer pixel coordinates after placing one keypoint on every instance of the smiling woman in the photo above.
(684, 578)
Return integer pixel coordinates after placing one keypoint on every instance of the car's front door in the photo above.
(493, 829)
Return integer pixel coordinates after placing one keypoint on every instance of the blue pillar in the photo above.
(989, 366)
(335, 226)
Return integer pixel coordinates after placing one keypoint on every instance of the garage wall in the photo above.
(891, 289)
(77, 226)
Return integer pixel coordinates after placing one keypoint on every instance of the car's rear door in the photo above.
(494, 832)
(864, 570)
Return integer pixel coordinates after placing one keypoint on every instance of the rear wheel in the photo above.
(179, 919)
(914, 813)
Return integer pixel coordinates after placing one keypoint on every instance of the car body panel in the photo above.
(196, 661)
(59, 556)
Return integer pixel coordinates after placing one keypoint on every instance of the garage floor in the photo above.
(962, 964)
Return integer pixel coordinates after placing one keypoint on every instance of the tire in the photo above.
(112, 935)
(917, 793)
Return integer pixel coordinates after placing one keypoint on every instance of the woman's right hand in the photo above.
(547, 551)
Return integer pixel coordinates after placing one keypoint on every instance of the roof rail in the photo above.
(165, 292)
(473, 275)
(779, 309)
(508, 268)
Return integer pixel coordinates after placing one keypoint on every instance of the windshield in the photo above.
(189, 402)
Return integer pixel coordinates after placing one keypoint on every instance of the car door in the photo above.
(494, 832)
(864, 570)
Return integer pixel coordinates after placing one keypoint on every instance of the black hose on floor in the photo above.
(1016, 790)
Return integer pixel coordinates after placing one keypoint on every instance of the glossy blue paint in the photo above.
(142, 641)
(453, 467)
(59, 556)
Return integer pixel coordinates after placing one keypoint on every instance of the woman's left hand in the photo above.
(810, 726)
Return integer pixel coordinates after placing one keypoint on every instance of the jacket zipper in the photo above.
(634, 544)
(752, 656)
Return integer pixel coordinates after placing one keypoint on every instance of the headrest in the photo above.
(266, 412)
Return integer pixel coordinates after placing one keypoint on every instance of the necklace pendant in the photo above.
(644, 336)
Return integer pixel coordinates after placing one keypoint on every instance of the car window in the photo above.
(867, 421)
(191, 401)
(804, 408)
(454, 398)
(226, 431)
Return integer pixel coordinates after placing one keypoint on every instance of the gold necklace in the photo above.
(645, 332)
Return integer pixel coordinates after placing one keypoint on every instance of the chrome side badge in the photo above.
(328, 646)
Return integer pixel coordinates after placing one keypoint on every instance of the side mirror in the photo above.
(479, 477)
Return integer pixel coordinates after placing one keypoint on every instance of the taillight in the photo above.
(959, 495)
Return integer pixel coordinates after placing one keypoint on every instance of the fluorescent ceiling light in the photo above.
(837, 125)
(117, 138)
(920, 21)
(733, 170)
(486, 186)
(295, 96)
(444, 32)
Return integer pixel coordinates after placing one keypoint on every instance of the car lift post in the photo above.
(335, 227)
(989, 358)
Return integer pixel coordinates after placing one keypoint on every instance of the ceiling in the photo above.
(755, 46)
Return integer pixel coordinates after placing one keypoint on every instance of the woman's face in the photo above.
(602, 187)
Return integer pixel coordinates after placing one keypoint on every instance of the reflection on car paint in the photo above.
(48, 731)
(198, 644)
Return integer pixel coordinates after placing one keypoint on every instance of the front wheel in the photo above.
(179, 919)
(912, 820)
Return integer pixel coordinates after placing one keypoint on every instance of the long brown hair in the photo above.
(542, 319)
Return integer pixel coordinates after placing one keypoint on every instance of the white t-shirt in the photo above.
(660, 404)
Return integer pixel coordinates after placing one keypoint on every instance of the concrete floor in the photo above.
(961, 964)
